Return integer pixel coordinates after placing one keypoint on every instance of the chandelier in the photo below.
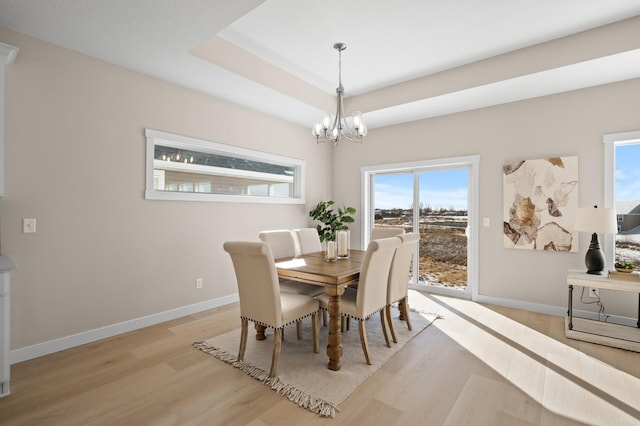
(334, 128)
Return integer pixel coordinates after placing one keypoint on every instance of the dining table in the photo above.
(334, 277)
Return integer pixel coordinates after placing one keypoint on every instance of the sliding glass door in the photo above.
(433, 199)
(443, 202)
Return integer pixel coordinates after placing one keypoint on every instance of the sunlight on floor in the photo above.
(560, 378)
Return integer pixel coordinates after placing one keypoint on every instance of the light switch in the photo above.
(486, 221)
(29, 226)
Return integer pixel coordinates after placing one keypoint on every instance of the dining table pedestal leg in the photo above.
(334, 346)
(260, 332)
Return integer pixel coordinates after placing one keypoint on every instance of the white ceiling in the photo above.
(388, 42)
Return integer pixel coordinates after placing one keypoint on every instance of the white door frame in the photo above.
(472, 162)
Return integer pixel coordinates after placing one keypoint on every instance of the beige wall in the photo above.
(561, 125)
(75, 152)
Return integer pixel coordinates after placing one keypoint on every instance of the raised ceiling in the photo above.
(265, 54)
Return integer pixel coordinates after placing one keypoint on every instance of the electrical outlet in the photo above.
(593, 292)
(198, 283)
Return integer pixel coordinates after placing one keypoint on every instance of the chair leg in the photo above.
(384, 327)
(363, 340)
(315, 323)
(277, 343)
(404, 305)
(244, 330)
(299, 329)
(392, 329)
(345, 323)
(324, 318)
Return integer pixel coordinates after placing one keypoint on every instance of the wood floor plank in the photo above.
(472, 404)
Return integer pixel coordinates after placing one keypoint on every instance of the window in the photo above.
(183, 168)
(438, 199)
(622, 191)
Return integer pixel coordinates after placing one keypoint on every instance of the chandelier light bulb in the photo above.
(357, 119)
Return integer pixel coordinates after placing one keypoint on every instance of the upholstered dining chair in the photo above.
(371, 296)
(281, 241)
(261, 300)
(398, 286)
(282, 244)
(377, 233)
(307, 240)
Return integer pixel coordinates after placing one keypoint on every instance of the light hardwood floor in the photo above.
(477, 365)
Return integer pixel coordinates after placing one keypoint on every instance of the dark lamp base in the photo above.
(594, 259)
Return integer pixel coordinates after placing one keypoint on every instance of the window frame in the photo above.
(156, 137)
(610, 142)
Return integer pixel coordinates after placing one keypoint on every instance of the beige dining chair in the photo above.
(282, 243)
(377, 233)
(371, 296)
(261, 300)
(307, 240)
(398, 286)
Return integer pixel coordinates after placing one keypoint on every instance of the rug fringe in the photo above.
(300, 397)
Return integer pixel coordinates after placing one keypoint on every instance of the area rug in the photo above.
(303, 377)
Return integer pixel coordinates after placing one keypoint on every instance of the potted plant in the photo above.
(332, 222)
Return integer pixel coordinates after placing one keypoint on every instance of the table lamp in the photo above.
(597, 221)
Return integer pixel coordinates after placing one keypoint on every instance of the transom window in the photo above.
(183, 168)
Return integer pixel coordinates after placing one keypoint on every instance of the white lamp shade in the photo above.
(595, 220)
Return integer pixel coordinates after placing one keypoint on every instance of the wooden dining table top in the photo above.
(313, 269)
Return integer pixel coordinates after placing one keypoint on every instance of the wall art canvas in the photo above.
(540, 204)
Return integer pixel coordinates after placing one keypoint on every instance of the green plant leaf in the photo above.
(331, 221)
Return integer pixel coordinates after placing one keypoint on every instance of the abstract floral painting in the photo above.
(540, 204)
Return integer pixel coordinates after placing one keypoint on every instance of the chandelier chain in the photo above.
(340, 67)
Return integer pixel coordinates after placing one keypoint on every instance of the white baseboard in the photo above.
(525, 306)
(46, 348)
(559, 311)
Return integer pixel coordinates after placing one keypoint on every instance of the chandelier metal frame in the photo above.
(333, 129)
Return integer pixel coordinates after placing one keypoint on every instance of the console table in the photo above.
(603, 333)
